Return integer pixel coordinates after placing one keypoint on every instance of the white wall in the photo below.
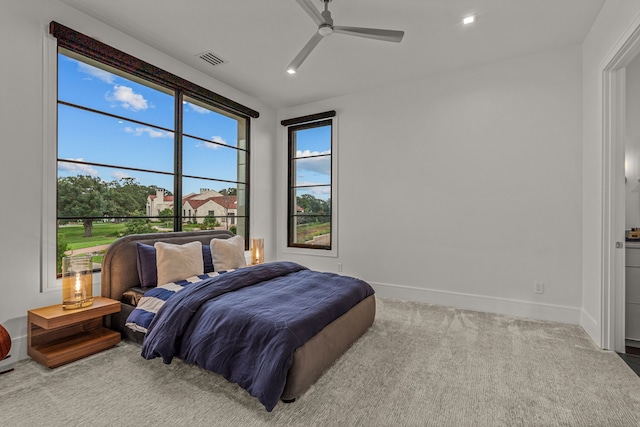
(605, 36)
(480, 171)
(23, 31)
(493, 184)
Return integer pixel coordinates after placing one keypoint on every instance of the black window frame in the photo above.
(94, 50)
(293, 126)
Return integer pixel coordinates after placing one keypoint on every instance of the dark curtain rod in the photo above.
(101, 52)
(309, 118)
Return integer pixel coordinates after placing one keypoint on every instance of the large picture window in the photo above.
(140, 150)
(310, 221)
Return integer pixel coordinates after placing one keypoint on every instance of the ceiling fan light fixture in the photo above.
(325, 30)
(468, 19)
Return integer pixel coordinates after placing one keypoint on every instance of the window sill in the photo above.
(331, 253)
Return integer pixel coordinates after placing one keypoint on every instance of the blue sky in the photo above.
(91, 137)
(86, 136)
(313, 170)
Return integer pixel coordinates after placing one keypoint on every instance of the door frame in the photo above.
(613, 200)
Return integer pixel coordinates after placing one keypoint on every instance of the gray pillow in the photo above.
(178, 262)
(228, 254)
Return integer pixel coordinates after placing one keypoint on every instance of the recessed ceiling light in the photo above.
(469, 19)
(291, 71)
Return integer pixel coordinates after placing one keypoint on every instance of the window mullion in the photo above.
(177, 184)
(112, 166)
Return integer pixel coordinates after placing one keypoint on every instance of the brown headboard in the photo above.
(119, 265)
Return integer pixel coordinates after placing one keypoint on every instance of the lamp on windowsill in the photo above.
(77, 286)
(257, 251)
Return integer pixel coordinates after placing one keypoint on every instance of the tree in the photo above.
(88, 196)
(82, 196)
(166, 213)
(153, 189)
(210, 222)
(126, 196)
(231, 191)
(137, 226)
(61, 248)
(312, 205)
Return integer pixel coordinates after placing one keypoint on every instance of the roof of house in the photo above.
(166, 198)
(203, 195)
(227, 202)
(196, 200)
(195, 204)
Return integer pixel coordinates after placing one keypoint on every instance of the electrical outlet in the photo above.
(538, 287)
(339, 266)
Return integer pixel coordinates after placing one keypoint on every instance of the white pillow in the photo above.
(228, 254)
(178, 262)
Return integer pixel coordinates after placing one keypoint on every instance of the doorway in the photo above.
(613, 214)
(632, 208)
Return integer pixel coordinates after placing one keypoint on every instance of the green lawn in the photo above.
(307, 232)
(103, 233)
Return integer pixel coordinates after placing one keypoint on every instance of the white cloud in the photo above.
(118, 175)
(197, 108)
(105, 76)
(321, 165)
(76, 168)
(152, 133)
(127, 98)
(218, 139)
(308, 153)
(323, 193)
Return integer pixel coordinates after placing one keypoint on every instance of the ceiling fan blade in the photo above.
(371, 33)
(312, 11)
(306, 50)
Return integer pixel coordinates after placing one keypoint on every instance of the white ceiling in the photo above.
(259, 38)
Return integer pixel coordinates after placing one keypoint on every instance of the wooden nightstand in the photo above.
(57, 336)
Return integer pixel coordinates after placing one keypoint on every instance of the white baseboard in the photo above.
(18, 352)
(591, 327)
(510, 307)
(632, 343)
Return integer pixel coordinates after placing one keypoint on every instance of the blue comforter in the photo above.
(246, 324)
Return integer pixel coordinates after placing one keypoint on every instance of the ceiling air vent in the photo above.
(211, 58)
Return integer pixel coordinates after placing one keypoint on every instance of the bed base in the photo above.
(321, 351)
(119, 273)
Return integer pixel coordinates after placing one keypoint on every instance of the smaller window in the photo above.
(310, 185)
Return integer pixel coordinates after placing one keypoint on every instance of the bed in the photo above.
(120, 281)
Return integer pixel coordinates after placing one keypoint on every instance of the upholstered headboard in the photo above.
(119, 265)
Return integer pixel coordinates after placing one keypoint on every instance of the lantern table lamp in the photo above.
(257, 251)
(77, 286)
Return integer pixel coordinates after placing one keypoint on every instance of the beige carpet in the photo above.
(419, 365)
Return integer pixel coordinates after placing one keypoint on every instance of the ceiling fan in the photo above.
(325, 28)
